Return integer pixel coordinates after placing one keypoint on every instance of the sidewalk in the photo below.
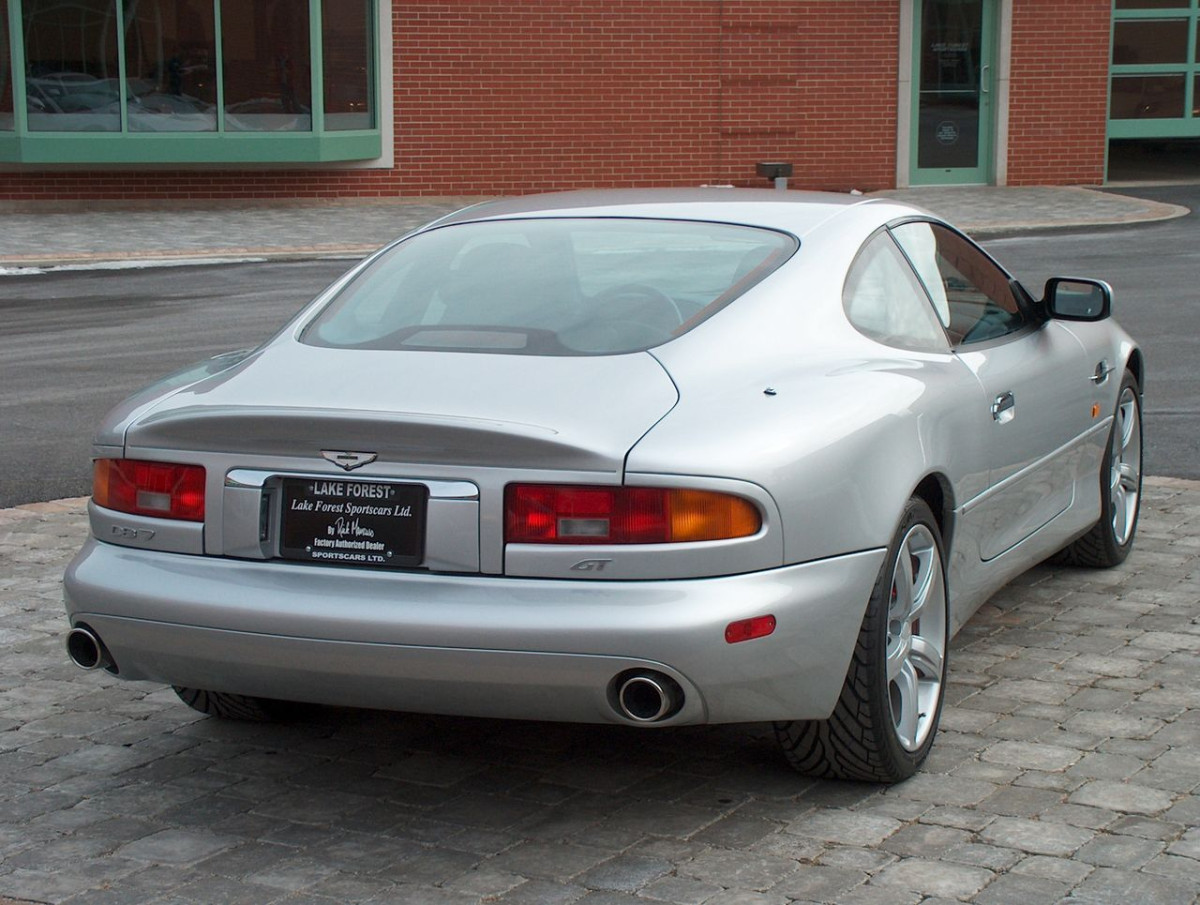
(110, 234)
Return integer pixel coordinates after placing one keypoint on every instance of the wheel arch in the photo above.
(1136, 365)
(937, 492)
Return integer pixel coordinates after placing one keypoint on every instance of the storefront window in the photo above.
(6, 86)
(1149, 41)
(267, 74)
(1152, 4)
(1147, 97)
(156, 81)
(170, 66)
(71, 69)
(347, 40)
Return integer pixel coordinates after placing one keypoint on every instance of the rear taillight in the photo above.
(159, 489)
(581, 514)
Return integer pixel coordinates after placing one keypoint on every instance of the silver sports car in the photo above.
(652, 458)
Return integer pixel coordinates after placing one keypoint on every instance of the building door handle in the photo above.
(1004, 409)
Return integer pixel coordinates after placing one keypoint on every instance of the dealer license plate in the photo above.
(362, 523)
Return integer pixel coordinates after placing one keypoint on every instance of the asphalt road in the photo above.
(1153, 269)
(75, 343)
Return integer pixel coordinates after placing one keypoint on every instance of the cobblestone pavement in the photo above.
(1066, 770)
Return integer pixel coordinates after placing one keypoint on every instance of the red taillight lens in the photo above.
(159, 489)
(581, 514)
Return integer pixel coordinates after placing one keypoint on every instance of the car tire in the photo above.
(1111, 538)
(229, 706)
(887, 713)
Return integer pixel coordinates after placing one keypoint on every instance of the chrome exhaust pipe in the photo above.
(646, 696)
(86, 650)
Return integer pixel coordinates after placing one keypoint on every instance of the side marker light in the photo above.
(749, 629)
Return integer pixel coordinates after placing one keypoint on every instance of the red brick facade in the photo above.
(499, 97)
(1058, 104)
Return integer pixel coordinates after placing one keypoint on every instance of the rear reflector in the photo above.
(158, 489)
(584, 514)
(749, 629)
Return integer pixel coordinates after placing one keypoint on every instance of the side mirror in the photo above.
(1077, 299)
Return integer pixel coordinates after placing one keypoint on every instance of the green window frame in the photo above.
(1155, 98)
(349, 133)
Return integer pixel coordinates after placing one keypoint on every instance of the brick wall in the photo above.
(503, 97)
(497, 97)
(1058, 102)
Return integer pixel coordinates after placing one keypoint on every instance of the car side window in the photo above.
(884, 300)
(974, 298)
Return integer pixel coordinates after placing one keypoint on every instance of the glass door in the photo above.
(952, 131)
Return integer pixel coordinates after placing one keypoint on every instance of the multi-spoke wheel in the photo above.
(887, 714)
(1111, 538)
(916, 637)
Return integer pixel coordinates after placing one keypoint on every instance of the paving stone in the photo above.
(1109, 886)
(1027, 890)
(1174, 867)
(1016, 801)
(176, 846)
(679, 891)
(1031, 755)
(924, 840)
(628, 873)
(553, 861)
(944, 789)
(1062, 869)
(868, 860)
(733, 869)
(934, 878)
(1188, 845)
(1119, 851)
(543, 892)
(879, 895)
(819, 883)
(993, 857)
(847, 827)
(1125, 797)
(1035, 836)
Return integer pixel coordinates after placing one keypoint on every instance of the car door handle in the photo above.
(1004, 409)
(1103, 369)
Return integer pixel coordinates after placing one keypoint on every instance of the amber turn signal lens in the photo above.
(587, 514)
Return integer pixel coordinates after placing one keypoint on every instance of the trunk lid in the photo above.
(290, 400)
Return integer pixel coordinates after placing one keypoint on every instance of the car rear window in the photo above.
(548, 286)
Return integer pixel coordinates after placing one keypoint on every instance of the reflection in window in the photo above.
(1149, 41)
(884, 301)
(267, 75)
(6, 86)
(71, 72)
(170, 54)
(347, 43)
(1147, 97)
(978, 295)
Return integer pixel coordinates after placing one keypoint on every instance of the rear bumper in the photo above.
(473, 645)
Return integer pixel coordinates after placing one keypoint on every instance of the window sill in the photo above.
(188, 147)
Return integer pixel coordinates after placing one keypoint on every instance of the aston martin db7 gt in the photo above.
(652, 458)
